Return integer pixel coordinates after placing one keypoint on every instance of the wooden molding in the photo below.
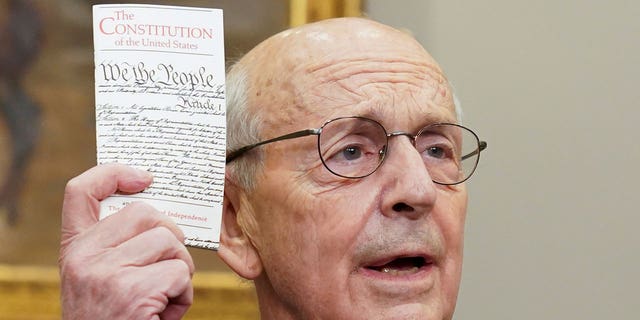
(305, 11)
(34, 293)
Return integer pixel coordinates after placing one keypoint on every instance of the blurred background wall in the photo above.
(553, 212)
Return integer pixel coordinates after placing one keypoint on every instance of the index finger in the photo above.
(82, 196)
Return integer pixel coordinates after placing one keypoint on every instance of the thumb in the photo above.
(82, 196)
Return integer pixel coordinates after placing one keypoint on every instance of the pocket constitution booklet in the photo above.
(160, 106)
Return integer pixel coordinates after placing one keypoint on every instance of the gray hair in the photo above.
(456, 103)
(243, 127)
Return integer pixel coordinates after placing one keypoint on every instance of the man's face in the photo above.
(385, 246)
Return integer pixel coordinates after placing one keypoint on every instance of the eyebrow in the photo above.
(378, 111)
(375, 112)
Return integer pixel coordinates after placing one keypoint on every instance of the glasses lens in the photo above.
(352, 147)
(449, 151)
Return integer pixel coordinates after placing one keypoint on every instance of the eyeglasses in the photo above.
(355, 147)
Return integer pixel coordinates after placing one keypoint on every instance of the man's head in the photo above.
(318, 245)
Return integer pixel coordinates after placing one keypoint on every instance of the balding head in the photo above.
(288, 65)
(327, 230)
(293, 73)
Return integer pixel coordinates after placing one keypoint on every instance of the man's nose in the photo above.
(408, 187)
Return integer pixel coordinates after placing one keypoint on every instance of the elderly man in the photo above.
(344, 194)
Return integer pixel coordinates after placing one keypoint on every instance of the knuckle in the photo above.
(165, 234)
(73, 186)
(187, 263)
(183, 269)
(164, 237)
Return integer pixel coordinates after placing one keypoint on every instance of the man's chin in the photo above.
(407, 311)
(412, 294)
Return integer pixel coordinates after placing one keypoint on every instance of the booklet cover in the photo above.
(160, 106)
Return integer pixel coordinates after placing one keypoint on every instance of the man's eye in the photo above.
(351, 153)
(436, 152)
(439, 151)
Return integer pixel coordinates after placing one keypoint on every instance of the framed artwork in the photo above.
(47, 130)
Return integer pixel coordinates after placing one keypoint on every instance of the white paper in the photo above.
(160, 106)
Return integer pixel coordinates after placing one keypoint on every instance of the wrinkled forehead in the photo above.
(355, 67)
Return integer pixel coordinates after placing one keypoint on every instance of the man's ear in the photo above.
(236, 248)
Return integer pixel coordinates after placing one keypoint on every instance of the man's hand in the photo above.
(131, 265)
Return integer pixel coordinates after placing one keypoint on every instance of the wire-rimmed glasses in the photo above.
(355, 147)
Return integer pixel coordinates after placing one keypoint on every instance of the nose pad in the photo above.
(383, 152)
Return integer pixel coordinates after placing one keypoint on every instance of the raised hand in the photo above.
(131, 265)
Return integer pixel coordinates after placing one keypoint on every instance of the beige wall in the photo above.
(553, 87)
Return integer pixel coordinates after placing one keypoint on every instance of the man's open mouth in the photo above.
(401, 266)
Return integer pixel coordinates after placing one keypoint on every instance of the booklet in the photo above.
(160, 106)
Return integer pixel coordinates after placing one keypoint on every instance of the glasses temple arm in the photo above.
(236, 153)
(481, 146)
